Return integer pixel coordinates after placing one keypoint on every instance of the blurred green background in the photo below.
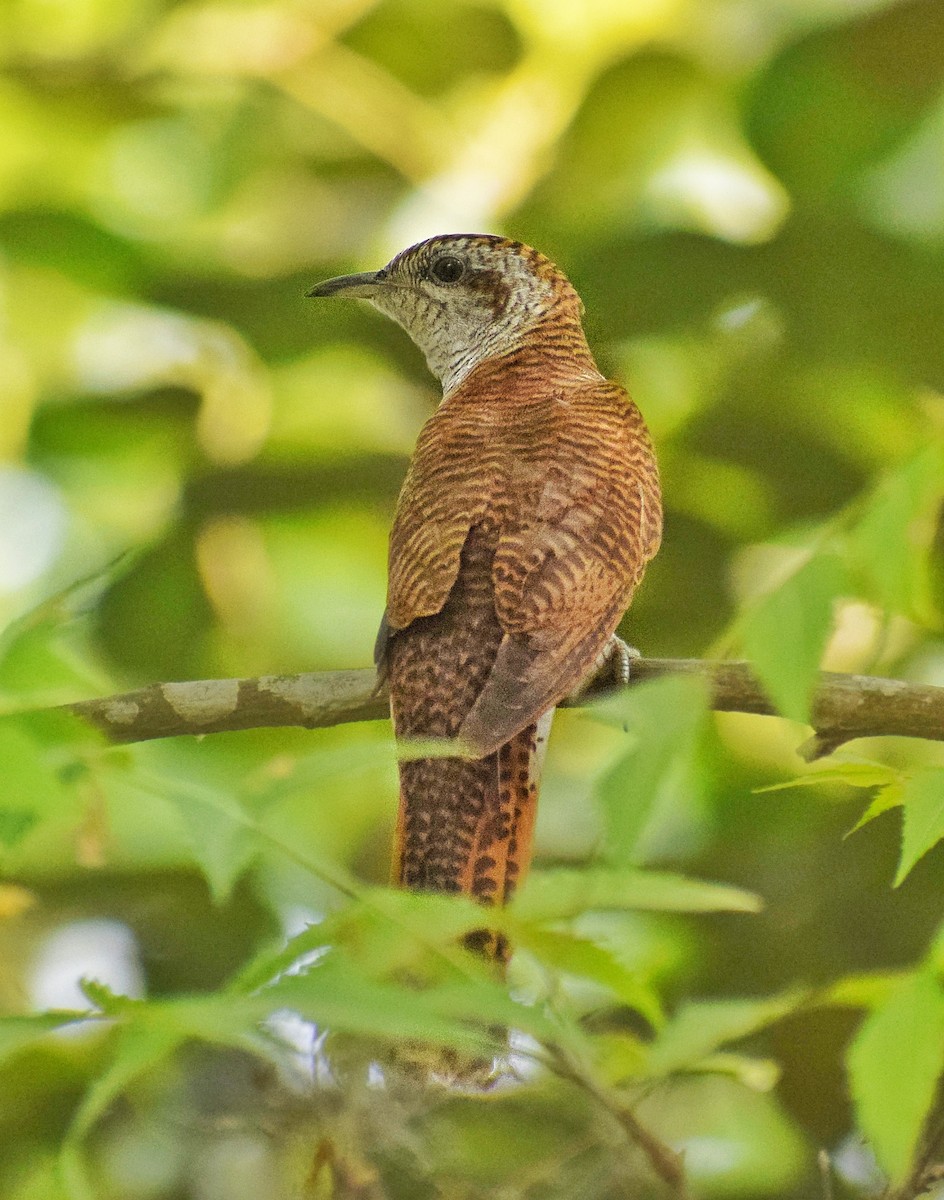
(198, 469)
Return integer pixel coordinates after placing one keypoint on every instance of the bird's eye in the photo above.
(447, 269)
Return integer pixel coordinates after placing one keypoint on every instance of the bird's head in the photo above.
(465, 297)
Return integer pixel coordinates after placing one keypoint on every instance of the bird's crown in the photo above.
(494, 269)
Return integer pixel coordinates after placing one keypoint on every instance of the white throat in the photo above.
(456, 334)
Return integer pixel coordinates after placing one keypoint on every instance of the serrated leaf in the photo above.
(392, 931)
(436, 919)
(586, 960)
(557, 894)
(892, 538)
(221, 837)
(31, 789)
(894, 1064)
(888, 798)
(618, 1057)
(336, 994)
(138, 1047)
(101, 997)
(855, 774)
(758, 1074)
(39, 664)
(785, 633)
(19, 1032)
(699, 1028)
(410, 749)
(923, 799)
(219, 1018)
(383, 929)
(665, 718)
(224, 863)
(866, 989)
(68, 603)
(149, 1032)
(273, 961)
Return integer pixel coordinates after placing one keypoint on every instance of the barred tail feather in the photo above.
(467, 825)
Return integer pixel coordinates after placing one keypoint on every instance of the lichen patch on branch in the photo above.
(204, 701)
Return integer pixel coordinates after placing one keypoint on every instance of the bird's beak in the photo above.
(359, 287)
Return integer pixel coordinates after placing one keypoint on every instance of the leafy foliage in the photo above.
(202, 977)
(785, 634)
(894, 1066)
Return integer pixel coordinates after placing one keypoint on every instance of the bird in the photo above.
(529, 511)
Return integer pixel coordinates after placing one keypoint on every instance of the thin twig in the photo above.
(824, 1162)
(667, 1164)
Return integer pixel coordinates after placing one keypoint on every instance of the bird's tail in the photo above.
(467, 825)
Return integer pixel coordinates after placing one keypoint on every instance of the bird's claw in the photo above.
(613, 666)
(619, 655)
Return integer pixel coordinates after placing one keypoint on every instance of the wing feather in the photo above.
(566, 571)
(568, 482)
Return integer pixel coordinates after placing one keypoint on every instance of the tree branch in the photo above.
(845, 707)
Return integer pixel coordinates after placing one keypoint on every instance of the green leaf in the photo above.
(923, 799)
(392, 931)
(862, 774)
(15, 824)
(101, 997)
(311, 771)
(39, 660)
(888, 798)
(384, 928)
(137, 1049)
(699, 1028)
(148, 1033)
(212, 809)
(785, 633)
(337, 994)
(31, 789)
(935, 955)
(273, 960)
(618, 1056)
(219, 1018)
(586, 960)
(736, 1140)
(894, 1064)
(758, 1074)
(436, 919)
(139, 1046)
(19, 1032)
(892, 539)
(865, 989)
(665, 718)
(557, 894)
(41, 1179)
(221, 836)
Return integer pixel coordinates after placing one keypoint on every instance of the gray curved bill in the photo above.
(361, 287)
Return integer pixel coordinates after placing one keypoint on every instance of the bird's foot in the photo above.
(617, 657)
(613, 666)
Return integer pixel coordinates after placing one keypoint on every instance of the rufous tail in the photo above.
(467, 825)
